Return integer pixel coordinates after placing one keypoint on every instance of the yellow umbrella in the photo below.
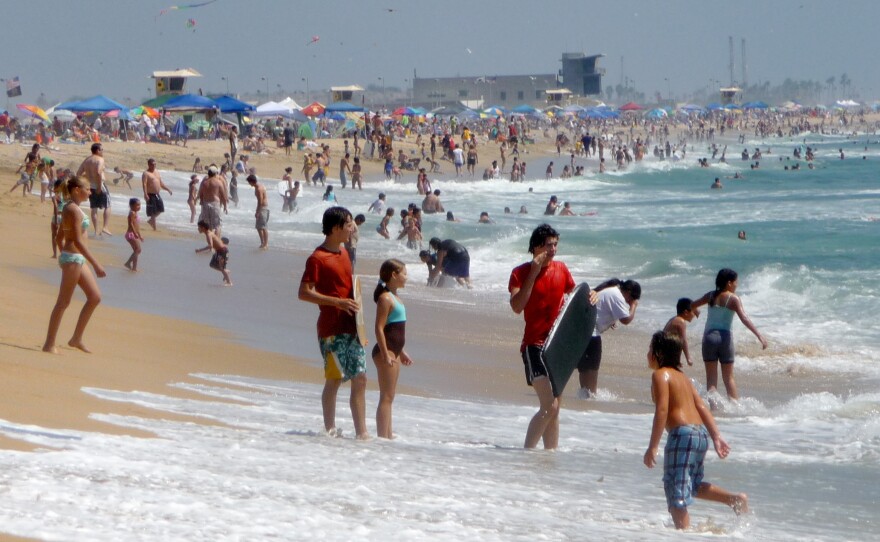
(33, 111)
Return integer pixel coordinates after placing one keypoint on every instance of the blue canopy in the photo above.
(343, 107)
(714, 106)
(228, 104)
(189, 102)
(691, 108)
(755, 105)
(525, 109)
(98, 103)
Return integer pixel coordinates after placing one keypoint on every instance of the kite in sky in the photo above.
(185, 6)
(191, 23)
(313, 40)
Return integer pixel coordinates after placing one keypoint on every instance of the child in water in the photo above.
(681, 411)
(388, 353)
(382, 228)
(221, 252)
(133, 235)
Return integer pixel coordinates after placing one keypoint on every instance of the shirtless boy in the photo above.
(682, 413)
(152, 183)
(677, 325)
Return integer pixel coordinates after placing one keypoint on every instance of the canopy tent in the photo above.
(631, 106)
(273, 109)
(228, 104)
(190, 102)
(755, 105)
(313, 109)
(691, 108)
(846, 103)
(343, 107)
(525, 109)
(290, 102)
(159, 101)
(448, 110)
(100, 104)
(714, 106)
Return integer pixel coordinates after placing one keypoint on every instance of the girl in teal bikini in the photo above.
(74, 271)
(388, 353)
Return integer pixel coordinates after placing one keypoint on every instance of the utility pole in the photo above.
(745, 79)
(730, 40)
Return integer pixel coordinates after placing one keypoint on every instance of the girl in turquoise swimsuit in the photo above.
(717, 339)
(388, 352)
(74, 254)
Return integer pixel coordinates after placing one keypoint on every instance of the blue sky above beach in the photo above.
(86, 47)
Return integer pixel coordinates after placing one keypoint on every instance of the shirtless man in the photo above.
(213, 196)
(262, 214)
(152, 183)
(431, 204)
(92, 169)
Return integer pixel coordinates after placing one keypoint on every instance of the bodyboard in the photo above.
(283, 187)
(569, 337)
(359, 317)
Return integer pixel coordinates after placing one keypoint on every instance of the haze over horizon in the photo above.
(81, 48)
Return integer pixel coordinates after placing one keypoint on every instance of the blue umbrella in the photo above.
(180, 129)
(99, 103)
(714, 106)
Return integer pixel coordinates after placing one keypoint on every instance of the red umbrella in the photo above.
(631, 106)
(313, 110)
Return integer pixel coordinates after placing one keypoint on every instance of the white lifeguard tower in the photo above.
(173, 82)
(557, 96)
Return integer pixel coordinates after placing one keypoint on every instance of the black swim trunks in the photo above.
(592, 356)
(98, 200)
(155, 205)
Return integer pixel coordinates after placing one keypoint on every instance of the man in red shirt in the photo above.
(327, 282)
(537, 289)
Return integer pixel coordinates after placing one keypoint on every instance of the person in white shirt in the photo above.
(617, 303)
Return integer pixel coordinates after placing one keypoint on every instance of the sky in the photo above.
(79, 48)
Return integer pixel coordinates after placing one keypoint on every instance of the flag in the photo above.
(13, 87)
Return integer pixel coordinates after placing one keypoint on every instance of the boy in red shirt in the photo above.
(327, 282)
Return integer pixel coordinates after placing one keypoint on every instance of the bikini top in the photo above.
(398, 312)
(85, 219)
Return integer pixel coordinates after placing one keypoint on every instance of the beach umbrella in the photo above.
(714, 106)
(525, 109)
(573, 108)
(631, 106)
(332, 115)
(690, 108)
(494, 111)
(876, 106)
(145, 110)
(657, 113)
(755, 105)
(307, 130)
(313, 109)
(33, 111)
(62, 114)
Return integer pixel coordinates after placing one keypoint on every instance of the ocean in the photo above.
(807, 455)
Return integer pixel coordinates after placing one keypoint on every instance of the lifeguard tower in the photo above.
(730, 95)
(557, 96)
(344, 94)
(173, 82)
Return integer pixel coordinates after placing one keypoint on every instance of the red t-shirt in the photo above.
(553, 282)
(330, 272)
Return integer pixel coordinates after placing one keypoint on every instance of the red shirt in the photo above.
(330, 272)
(552, 283)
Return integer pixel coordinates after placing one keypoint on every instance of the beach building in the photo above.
(579, 75)
(173, 82)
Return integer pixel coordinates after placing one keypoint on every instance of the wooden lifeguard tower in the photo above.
(173, 82)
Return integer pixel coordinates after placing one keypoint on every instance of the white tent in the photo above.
(291, 103)
(273, 109)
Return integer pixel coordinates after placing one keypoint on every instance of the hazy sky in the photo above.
(67, 48)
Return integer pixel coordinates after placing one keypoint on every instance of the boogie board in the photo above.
(568, 339)
(283, 187)
(361, 325)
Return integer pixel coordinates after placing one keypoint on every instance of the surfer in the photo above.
(680, 411)
(717, 338)
(388, 353)
(327, 282)
(536, 290)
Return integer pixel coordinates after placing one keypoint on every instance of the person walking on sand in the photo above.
(152, 183)
(262, 213)
(689, 424)
(74, 271)
(327, 282)
(388, 353)
(92, 169)
(717, 338)
(133, 234)
(536, 290)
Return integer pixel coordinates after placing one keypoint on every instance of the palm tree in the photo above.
(830, 82)
(845, 83)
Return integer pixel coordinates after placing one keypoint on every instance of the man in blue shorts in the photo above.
(327, 282)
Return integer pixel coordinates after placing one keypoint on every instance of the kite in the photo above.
(185, 6)
(313, 40)
(191, 23)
